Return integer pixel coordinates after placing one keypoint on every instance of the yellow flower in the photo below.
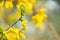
(24, 24)
(22, 0)
(1, 4)
(42, 11)
(8, 4)
(39, 18)
(14, 34)
(13, 17)
(22, 35)
(19, 5)
(33, 1)
(29, 7)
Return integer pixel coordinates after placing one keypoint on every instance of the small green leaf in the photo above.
(1, 31)
(22, 8)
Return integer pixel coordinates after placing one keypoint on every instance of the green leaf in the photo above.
(22, 8)
(1, 31)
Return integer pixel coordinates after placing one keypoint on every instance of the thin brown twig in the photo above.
(53, 31)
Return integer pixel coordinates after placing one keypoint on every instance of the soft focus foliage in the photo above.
(1, 4)
(13, 17)
(28, 6)
(33, 1)
(1, 15)
(17, 16)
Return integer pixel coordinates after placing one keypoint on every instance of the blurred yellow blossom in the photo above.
(8, 4)
(19, 5)
(33, 1)
(22, 0)
(42, 11)
(22, 35)
(28, 6)
(1, 4)
(14, 34)
(39, 18)
(13, 17)
(24, 24)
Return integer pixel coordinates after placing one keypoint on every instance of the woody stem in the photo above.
(53, 31)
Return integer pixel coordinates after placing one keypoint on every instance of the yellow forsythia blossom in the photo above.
(24, 24)
(8, 4)
(13, 17)
(14, 34)
(42, 11)
(1, 4)
(28, 6)
(33, 1)
(39, 18)
(19, 5)
(22, 35)
(23, 0)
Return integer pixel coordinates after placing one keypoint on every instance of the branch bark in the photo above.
(53, 31)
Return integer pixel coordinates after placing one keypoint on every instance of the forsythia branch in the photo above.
(15, 22)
